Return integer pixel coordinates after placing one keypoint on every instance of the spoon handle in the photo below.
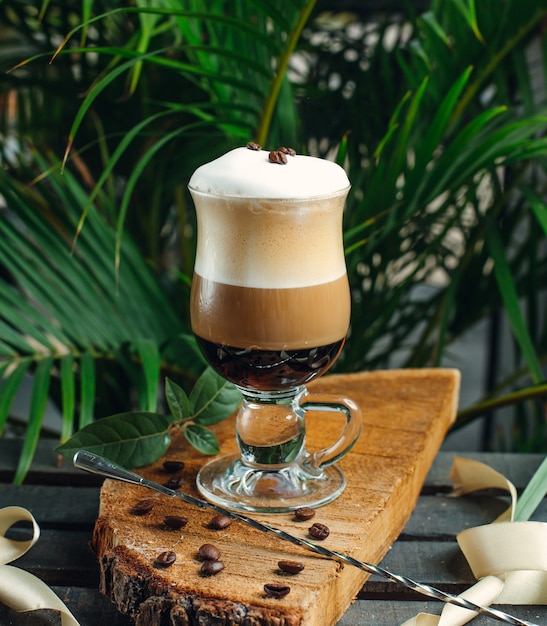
(98, 465)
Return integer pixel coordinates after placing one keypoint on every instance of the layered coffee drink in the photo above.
(270, 302)
(270, 308)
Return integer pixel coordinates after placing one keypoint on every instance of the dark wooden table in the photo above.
(65, 503)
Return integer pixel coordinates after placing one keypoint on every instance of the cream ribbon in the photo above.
(20, 590)
(509, 559)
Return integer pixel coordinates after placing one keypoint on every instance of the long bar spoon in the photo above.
(99, 465)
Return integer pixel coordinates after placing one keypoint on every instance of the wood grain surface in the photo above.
(406, 415)
(65, 502)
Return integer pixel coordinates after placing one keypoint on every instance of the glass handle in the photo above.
(350, 433)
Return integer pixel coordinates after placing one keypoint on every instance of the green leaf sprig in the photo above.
(138, 438)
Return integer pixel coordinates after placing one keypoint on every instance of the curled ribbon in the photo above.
(20, 590)
(508, 558)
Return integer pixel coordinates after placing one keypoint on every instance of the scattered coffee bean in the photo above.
(220, 522)
(319, 531)
(277, 157)
(175, 482)
(171, 467)
(304, 513)
(276, 591)
(208, 552)
(291, 567)
(211, 568)
(254, 146)
(166, 559)
(289, 151)
(175, 521)
(142, 507)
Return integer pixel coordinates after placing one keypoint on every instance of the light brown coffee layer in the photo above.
(270, 319)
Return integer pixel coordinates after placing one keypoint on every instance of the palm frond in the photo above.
(435, 116)
(64, 312)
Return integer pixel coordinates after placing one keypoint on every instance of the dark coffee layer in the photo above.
(269, 370)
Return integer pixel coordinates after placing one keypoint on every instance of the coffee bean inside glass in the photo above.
(270, 310)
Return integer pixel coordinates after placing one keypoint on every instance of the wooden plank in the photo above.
(518, 468)
(406, 415)
(381, 613)
(47, 467)
(61, 558)
(439, 564)
(88, 606)
(54, 506)
(438, 518)
(64, 558)
(425, 550)
(435, 518)
(92, 609)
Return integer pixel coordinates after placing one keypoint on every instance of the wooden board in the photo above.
(406, 415)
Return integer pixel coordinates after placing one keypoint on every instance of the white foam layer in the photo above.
(267, 243)
(250, 174)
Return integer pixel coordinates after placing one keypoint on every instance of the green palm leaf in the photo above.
(63, 310)
(40, 390)
(510, 297)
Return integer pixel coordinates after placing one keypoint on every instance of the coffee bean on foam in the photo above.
(257, 212)
(256, 220)
(248, 173)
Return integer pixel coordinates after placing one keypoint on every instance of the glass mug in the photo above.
(270, 310)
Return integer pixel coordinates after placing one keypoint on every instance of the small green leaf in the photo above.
(129, 439)
(202, 439)
(213, 399)
(177, 400)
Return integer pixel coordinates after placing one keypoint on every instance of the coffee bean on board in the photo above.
(142, 507)
(171, 467)
(290, 567)
(304, 513)
(166, 559)
(276, 591)
(319, 531)
(220, 522)
(175, 521)
(174, 482)
(208, 552)
(211, 568)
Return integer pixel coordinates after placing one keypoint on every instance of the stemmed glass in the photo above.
(270, 310)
